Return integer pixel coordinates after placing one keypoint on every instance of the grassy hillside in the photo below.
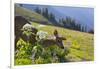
(80, 44)
(30, 14)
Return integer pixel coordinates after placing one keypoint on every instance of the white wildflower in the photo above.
(42, 34)
(27, 27)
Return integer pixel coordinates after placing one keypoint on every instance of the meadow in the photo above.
(79, 47)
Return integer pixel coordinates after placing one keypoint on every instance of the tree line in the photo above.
(64, 22)
(67, 22)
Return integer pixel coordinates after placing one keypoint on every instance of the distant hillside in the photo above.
(47, 19)
(84, 16)
(30, 15)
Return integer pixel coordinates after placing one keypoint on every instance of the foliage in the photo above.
(22, 57)
(24, 49)
(41, 55)
(23, 61)
(48, 55)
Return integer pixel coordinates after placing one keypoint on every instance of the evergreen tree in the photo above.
(79, 27)
(85, 28)
(46, 13)
(38, 10)
(91, 31)
(60, 21)
(43, 13)
(21, 5)
(68, 20)
(82, 29)
(52, 17)
(73, 24)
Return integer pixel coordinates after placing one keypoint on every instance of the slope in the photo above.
(30, 15)
(80, 44)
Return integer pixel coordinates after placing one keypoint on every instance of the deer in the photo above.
(57, 40)
(50, 41)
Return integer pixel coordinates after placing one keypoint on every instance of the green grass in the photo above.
(30, 14)
(23, 62)
(80, 44)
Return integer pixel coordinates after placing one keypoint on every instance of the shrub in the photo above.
(38, 54)
(24, 49)
(23, 61)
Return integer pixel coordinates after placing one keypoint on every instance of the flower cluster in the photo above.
(42, 34)
(27, 27)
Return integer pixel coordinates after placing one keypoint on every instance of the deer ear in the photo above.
(55, 32)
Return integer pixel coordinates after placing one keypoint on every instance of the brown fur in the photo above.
(50, 41)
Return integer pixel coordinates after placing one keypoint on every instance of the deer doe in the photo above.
(58, 40)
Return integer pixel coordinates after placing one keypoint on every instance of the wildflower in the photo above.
(42, 34)
(27, 27)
